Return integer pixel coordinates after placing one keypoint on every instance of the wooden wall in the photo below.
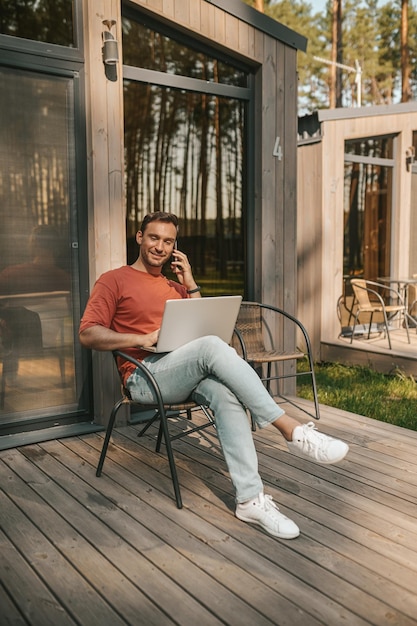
(105, 164)
(309, 241)
(274, 199)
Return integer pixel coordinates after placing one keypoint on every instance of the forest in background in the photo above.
(375, 36)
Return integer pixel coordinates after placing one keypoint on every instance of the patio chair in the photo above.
(368, 299)
(412, 303)
(161, 412)
(32, 326)
(255, 337)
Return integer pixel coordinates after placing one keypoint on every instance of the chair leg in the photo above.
(315, 395)
(406, 326)
(164, 431)
(387, 329)
(311, 373)
(370, 325)
(208, 416)
(252, 423)
(268, 377)
(109, 430)
(313, 376)
(355, 321)
(163, 435)
(159, 437)
(147, 425)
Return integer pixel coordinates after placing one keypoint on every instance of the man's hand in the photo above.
(146, 341)
(182, 269)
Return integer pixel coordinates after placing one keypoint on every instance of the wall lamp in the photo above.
(410, 156)
(110, 50)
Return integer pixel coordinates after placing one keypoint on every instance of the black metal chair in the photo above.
(256, 337)
(162, 412)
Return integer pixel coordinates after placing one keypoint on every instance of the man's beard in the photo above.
(155, 260)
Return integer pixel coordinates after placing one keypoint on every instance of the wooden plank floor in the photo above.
(375, 352)
(76, 549)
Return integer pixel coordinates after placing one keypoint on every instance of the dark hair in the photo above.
(44, 237)
(159, 216)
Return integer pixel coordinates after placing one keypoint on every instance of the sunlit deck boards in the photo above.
(76, 549)
(374, 352)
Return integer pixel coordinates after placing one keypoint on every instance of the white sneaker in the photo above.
(264, 512)
(307, 442)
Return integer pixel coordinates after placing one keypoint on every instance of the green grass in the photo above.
(363, 391)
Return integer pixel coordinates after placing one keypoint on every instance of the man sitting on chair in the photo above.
(124, 312)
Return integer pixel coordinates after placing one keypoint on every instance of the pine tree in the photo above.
(337, 56)
(312, 87)
(380, 39)
(361, 47)
(405, 54)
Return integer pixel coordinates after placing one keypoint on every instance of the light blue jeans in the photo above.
(212, 373)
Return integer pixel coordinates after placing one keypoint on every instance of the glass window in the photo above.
(39, 20)
(143, 47)
(184, 154)
(37, 269)
(368, 207)
(374, 147)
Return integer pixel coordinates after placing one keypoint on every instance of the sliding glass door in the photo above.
(39, 273)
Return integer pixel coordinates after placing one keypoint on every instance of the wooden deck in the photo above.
(374, 352)
(76, 549)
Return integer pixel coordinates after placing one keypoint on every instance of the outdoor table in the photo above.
(402, 284)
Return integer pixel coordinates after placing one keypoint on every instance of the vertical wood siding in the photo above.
(276, 111)
(309, 241)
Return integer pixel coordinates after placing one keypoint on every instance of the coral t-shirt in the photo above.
(130, 301)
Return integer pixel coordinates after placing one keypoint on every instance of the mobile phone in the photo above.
(172, 259)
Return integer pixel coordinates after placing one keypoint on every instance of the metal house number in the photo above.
(277, 151)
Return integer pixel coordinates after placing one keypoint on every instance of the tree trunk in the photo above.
(339, 54)
(335, 96)
(259, 5)
(405, 54)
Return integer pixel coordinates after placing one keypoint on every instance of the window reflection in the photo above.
(39, 20)
(36, 319)
(42, 272)
(381, 147)
(368, 208)
(184, 154)
(146, 48)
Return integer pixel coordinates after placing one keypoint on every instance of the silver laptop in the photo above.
(187, 319)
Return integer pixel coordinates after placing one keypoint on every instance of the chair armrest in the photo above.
(149, 377)
(387, 288)
(241, 341)
(292, 319)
